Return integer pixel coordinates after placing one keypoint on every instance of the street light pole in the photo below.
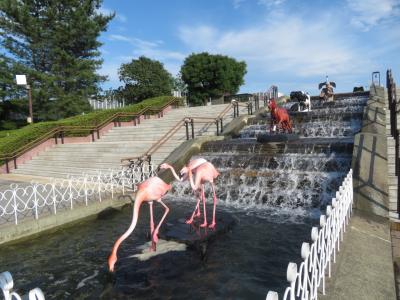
(21, 80)
(30, 119)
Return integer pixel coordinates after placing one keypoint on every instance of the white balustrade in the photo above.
(7, 284)
(20, 202)
(305, 281)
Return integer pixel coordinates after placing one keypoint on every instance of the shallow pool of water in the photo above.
(244, 263)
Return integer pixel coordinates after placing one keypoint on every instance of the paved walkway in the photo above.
(364, 265)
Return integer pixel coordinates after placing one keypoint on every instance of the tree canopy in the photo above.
(212, 76)
(55, 43)
(144, 78)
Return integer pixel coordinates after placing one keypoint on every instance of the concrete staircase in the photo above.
(121, 142)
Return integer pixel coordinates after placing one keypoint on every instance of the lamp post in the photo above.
(21, 80)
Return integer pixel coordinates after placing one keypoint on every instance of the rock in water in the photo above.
(162, 248)
(194, 236)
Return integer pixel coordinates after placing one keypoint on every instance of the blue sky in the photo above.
(292, 44)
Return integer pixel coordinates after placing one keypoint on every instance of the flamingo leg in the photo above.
(155, 234)
(212, 225)
(204, 207)
(153, 245)
(196, 212)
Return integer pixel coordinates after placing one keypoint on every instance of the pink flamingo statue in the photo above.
(193, 164)
(205, 172)
(152, 189)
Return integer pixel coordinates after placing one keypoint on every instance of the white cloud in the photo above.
(237, 3)
(368, 13)
(270, 3)
(134, 41)
(291, 44)
(118, 16)
(121, 18)
(172, 60)
(111, 70)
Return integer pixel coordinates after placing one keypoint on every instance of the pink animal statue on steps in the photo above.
(203, 172)
(279, 116)
(152, 189)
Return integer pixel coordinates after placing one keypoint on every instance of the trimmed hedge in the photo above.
(12, 140)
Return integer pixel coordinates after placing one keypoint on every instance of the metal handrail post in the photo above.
(187, 129)
(192, 124)
(217, 124)
(222, 124)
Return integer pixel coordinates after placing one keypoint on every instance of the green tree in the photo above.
(212, 76)
(144, 78)
(55, 43)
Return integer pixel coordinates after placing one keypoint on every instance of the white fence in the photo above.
(7, 285)
(38, 199)
(310, 276)
(106, 104)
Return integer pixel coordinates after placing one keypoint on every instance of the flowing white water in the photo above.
(316, 128)
(294, 184)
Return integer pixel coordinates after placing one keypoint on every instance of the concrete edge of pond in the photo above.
(364, 266)
(370, 159)
(29, 229)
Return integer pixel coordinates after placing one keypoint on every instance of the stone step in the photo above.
(83, 159)
(55, 174)
(99, 151)
(40, 162)
(122, 142)
(66, 169)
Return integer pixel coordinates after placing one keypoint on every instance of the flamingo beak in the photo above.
(111, 263)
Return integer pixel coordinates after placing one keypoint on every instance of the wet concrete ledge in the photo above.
(370, 158)
(29, 228)
(364, 266)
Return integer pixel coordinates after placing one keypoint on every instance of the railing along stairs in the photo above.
(59, 132)
(190, 134)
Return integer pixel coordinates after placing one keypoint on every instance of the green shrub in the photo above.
(12, 140)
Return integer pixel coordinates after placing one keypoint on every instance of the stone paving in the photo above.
(364, 265)
(395, 236)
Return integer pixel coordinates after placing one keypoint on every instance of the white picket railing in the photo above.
(7, 284)
(307, 279)
(60, 194)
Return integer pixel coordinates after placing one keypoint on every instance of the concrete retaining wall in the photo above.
(370, 157)
(29, 228)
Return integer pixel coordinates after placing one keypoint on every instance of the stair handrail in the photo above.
(166, 137)
(60, 129)
(175, 128)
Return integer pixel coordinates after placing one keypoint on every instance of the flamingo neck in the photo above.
(136, 207)
(191, 180)
(174, 173)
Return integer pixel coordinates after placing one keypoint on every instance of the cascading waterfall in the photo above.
(282, 182)
(296, 178)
